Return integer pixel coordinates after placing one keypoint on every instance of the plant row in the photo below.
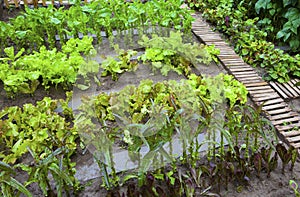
(21, 73)
(46, 139)
(145, 116)
(248, 40)
(148, 117)
(159, 105)
(45, 26)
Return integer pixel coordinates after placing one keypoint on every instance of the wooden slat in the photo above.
(256, 92)
(213, 41)
(294, 87)
(283, 89)
(250, 73)
(286, 121)
(294, 81)
(279, 90)
(291, 133)
(287, 127)
(226, 51)
(232, 56)
(278, 111)
(200, 30)
(282, 116)
(272, 96)
(248, 78)
(275, 106)
(245, 82)
(259, 88)
(199, 25)
(207, 36)
(202, 34)
(295, 145)
(210, 38)
(216, 43)
(239, 65)
(290, 89)
(294, 139)
(271, 102)
(241, 75)
(266, 98)
(233, 62)
(245, 68)
(262, 83)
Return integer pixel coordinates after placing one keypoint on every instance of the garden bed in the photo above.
(181, 104)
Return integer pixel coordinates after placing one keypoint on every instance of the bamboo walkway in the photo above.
(271, 96)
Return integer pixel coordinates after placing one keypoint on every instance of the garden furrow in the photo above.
(269, 96)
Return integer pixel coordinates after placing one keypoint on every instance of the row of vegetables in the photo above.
(147, 115)
(47, 26)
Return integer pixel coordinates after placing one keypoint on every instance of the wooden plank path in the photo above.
(288, 90)
(270, 96)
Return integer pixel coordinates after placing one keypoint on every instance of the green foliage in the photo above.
(282, 20)
(172, 53)
(50, 67)
(294, 186)
(41, 26)
(36, 127)
(242, 29)
(233, 90)
(38, 131)
(9, 184)
(112, 66)
(291, 29)
(150, 113)
(58, 164)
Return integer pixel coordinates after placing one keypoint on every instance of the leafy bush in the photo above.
(248, 40)
(172, 53)
(281, 20)
(41, 26)
(46, 138)
(23, 73)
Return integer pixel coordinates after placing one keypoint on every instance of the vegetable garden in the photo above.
(186, 133)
